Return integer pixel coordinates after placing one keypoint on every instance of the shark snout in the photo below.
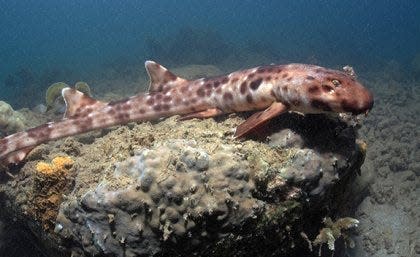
(367, 104)
(361, 102)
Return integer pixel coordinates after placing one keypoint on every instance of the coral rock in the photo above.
(188, 188)
(10, 120)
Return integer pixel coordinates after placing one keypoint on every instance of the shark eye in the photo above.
(336, 82)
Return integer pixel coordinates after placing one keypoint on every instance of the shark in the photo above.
(268, 91)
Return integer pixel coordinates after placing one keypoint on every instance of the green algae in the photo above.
(54, 91)
(83, 87)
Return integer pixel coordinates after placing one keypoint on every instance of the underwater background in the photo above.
(105, 43)
(54, 40)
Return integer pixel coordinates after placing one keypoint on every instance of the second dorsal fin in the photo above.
(79, 104)
(161, 78)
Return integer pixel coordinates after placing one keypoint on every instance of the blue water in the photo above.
(50, 40)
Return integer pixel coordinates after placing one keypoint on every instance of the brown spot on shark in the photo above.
(158, 96)
(111, 112)
(327, 88)
(243, 87)
(177, 100)
(261, 70)
(201, 92)
(313, 89)
(208, 93)
(167, 98)
(122, 117)
(184, 89)
(270, 69)
(166, 107)
(249, 98)
(39, 133)
(255, 84)
(228, 96)
(126, 107)
(157, 107)
(150, 101)
(224, 80)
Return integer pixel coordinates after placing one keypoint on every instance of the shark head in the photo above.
(338, 91)
(326, 90)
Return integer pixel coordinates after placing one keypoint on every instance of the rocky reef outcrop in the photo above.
(183, 188)
(10, 120)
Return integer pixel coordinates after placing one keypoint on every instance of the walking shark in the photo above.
(268, 90)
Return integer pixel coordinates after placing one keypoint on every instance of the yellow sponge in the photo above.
(58, 165)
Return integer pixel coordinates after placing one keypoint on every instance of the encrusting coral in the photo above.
(10, 121)
(334, 230)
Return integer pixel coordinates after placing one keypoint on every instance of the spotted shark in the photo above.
(267, 90)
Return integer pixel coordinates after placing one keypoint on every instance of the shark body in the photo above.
(269, 90)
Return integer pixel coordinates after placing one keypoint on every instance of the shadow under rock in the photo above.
(319, 132)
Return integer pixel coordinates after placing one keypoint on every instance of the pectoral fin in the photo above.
(203, 114)
(260, 118)
(16, 157)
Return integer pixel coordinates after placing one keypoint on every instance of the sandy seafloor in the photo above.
(386, 199)
(389, 213)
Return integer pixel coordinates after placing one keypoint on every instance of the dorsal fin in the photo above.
(161, 78)
(79, 104)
